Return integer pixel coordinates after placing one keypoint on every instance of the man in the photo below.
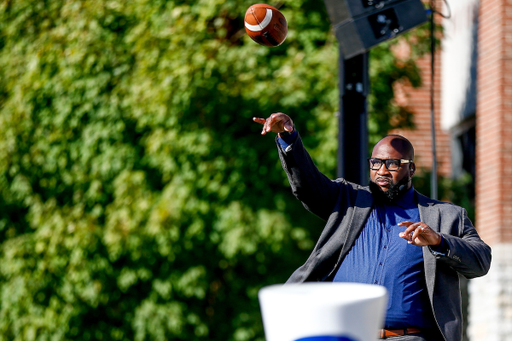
(386, 234)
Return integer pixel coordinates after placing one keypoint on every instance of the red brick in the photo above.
(494, 122)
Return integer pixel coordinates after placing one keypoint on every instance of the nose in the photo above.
(383, 170)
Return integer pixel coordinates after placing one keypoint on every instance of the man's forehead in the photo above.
(391, 147)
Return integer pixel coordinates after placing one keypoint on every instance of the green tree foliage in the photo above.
(138, 200)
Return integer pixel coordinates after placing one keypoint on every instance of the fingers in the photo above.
(259, 120)
(415, 237)
(419, 234)
(410, 227)
(411, 232)
(269, 123)
(272, 121)
(405, 223)
(287, 123)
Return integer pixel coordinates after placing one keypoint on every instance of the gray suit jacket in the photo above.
(346, 206)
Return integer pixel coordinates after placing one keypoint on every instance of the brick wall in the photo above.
(494, 122)
(491, 295)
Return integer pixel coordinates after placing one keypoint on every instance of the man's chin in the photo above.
(388, 194)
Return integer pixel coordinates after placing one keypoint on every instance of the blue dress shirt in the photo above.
(380, 256)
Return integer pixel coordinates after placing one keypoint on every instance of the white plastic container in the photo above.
(323, 311)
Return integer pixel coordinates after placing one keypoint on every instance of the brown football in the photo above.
(265, 25)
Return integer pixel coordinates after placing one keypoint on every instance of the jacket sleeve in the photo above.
(469, 255)
(316, 191)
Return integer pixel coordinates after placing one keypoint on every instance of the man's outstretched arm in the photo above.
(317, 192)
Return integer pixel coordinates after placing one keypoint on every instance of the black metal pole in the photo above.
(353, 118)
(433, 178)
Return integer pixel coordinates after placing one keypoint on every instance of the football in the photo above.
(265, 25)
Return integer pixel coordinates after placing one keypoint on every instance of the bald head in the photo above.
(394, 144)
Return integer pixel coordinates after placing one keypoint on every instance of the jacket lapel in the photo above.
(429, 214)
(362, 209)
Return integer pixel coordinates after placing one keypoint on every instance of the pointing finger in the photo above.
(259, 120)
(410, 228)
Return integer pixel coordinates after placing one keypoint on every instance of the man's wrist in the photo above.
(441, 249)
(439, 239)
(285, 140)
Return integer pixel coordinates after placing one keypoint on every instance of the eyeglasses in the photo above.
(391, 164)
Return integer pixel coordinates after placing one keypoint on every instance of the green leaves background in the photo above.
(138, 200)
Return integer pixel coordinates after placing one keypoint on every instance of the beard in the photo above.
(391, 196)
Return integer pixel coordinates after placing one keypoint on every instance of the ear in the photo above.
(412, 169)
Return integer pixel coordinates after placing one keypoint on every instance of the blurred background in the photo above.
(138, 200)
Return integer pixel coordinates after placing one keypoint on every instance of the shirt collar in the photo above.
(407, 200)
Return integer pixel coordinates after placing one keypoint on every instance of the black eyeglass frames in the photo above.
(391, 164)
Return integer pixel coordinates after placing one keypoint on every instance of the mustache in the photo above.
(396, 190)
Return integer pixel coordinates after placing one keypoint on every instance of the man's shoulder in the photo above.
(423, 200)
(353, 185)
(359, 192)
(352, 193)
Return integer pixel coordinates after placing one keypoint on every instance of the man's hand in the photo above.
(277, 122)
(419, 234)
